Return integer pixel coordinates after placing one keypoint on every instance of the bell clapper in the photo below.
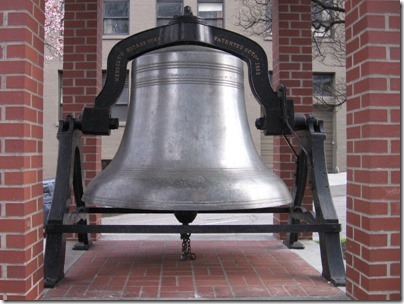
(186, 217)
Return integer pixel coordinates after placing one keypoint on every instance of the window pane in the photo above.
(210, 15)
(116, 26)
(322, 19)
(116, 9)
(212, 12)
(169, 9)
(120, 108)
(120, 111)
(207, 7)
(162, 21)
(322, 84)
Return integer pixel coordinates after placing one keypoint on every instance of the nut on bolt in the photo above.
(260, 123)
(113, 123)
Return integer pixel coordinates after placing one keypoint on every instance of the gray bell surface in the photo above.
(187, 144)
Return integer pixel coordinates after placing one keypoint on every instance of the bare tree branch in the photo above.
(328, 35)
(336, 97)
(333, 7)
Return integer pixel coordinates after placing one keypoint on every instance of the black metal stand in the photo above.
(311, 160)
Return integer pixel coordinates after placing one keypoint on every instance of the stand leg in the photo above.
(55, 250)
(331, 258)
(83, 241)
(291, 240)
(54, 262)
(312, 160)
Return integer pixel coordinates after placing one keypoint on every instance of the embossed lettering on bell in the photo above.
(187, 144)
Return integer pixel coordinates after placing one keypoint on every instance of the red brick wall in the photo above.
(292, 67)
(21, 112)
(82, 68)
(373, 154)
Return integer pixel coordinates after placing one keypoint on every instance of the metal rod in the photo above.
(52, 228)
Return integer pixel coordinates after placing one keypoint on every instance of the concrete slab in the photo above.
(337, 183)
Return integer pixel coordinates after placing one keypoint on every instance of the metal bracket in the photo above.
(185, 30)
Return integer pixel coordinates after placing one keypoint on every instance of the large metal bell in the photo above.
(187, 144)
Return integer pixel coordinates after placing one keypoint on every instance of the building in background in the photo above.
(127, 17)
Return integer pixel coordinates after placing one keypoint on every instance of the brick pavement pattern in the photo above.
(146, 270)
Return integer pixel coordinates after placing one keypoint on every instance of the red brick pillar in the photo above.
(82, 72)
(292, 67)
(373, 154)
(21, 112)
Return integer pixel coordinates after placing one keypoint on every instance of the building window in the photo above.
(211, 11)
(120, 108)
(116, 17)
(167, 9)
(323, 84)
(322, 19)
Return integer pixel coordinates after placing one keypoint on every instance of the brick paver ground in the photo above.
(152, 270)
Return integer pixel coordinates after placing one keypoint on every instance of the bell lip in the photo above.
(167, 205)
(182, 189)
